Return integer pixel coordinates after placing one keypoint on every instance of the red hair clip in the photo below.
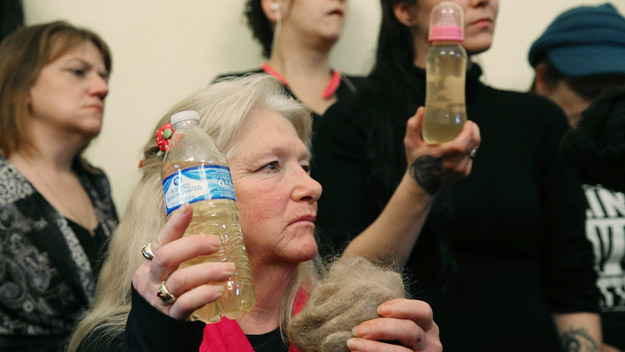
(163, 135)
(162, 138)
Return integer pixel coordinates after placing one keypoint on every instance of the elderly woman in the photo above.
(56, 211)
(264, 135)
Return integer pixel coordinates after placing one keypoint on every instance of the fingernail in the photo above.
(185, 207)
(354, 344)
(219, 289)
(230, 268)
(384, 309)
(215, 239)
(360, 330)
(182, 210)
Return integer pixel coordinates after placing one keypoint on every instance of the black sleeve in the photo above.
(147, 329)
(568, 275)
(348, 204)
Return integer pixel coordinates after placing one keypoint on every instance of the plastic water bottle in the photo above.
(446, 65)
(196, 172)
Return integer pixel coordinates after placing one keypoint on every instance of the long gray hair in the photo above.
(223, 108)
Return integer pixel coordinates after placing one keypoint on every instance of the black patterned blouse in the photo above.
(48, 264)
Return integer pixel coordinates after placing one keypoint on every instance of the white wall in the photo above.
(165, 49)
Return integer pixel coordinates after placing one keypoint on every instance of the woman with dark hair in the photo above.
(56, 211)
(502, 254)
(297, 37)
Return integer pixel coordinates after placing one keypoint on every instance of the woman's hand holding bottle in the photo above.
(436, 166)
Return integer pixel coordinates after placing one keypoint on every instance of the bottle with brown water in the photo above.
(196, 172)
(446, 63)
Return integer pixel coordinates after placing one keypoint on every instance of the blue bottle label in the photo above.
(197, 183)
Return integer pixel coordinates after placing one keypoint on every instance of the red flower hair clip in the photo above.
(163, 135)
(162, 138)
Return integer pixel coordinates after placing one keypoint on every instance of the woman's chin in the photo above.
(89, 130)
(305, 252)
(477, 45)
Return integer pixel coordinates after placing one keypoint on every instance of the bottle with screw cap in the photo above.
(446, 63)
(195, 171)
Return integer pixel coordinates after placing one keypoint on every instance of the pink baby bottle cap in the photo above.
(447, 22)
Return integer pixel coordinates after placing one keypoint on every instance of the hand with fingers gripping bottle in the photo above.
(180, 291)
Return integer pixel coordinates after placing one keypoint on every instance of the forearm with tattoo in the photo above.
(426, 171)
(578, 340)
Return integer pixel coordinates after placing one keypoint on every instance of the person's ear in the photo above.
(28, 97)
(405, 13)
(540, 85)
(272, 9)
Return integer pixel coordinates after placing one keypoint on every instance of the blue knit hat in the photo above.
(584, 41)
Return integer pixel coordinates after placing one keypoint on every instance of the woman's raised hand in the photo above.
(435, 166)
(176, 291)
(408, 323)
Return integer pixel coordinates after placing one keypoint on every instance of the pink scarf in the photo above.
(227, 336)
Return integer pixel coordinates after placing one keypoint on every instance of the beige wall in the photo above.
(165, 49)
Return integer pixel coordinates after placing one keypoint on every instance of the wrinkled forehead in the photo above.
(269, 130)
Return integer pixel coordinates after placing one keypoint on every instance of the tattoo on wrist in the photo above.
(426, 171)
(578, 340)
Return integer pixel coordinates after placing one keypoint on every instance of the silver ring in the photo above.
(164, 294)
(473, 153)
(146, 251)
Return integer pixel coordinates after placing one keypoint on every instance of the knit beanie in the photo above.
(584, 41)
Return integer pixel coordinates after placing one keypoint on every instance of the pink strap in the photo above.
(270, 70)
(332, 86)
(328, 92)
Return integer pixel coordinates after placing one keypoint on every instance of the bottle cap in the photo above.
(447, 22)
(184, 116)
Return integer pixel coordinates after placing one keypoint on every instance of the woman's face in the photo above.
(276, 197)
(479, 22)
(307, 19)
(68, 95)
